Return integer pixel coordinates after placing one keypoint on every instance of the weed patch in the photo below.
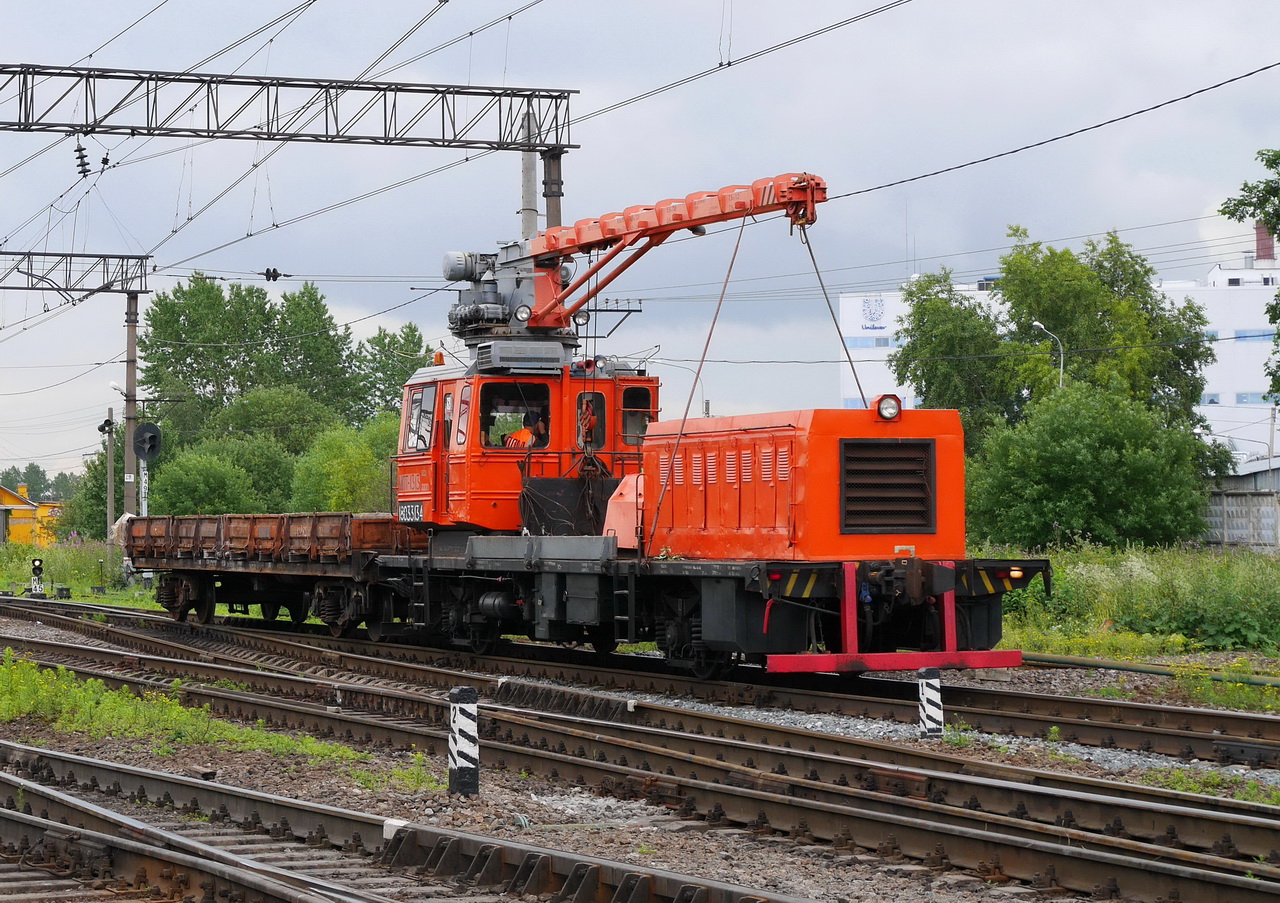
(57, 698)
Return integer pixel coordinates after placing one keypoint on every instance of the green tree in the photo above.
(265, 461)
(1260, 201)
(383, 364)
(1117, 332)
(33, 476)
(286, 414)
(85, 512)
(64, 486)
(207, 346)
(313, 352)
(39, 486)
(348, 469)
(195, 482)
(954, 355)
(1088, 464)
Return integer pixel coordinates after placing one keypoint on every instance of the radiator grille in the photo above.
(887, 486)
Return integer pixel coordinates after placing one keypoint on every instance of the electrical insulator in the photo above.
(82, 160)
(272, 274)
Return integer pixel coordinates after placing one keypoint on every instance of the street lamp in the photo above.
(1062, 354)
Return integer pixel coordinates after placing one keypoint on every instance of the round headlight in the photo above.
(523, 313)
(889, 407)
(581, 317)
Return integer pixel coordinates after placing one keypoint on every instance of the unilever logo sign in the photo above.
(872, 313)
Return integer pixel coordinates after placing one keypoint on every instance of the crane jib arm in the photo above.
(646, 226)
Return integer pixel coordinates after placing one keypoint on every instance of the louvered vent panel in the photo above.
(677, 467)
(746, 465)
(766, 464)
(887, 487)
(697, 468)
(784, 463)
(711, 467)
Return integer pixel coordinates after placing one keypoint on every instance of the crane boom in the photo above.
(644, 227)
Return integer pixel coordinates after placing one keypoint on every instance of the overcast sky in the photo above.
(917, 88)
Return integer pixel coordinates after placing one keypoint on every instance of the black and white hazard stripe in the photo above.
(930, 702)
(464, 741)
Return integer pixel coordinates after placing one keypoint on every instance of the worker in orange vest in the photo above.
(532, 433)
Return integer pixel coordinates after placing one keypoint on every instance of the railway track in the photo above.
(939, 809)
(228, 843)
(1186, 733)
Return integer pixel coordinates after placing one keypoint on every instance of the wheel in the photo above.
(710, 665)
(270, 611)
(297, 614)
(205, 607)
(182, 593)
(340, 630)
(381, 616)
(484, 639)
(602, 639)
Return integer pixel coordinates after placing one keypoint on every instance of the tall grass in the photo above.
(78, 563)
(1143, 601)
(57, 698)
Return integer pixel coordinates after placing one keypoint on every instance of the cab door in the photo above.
(416, 464)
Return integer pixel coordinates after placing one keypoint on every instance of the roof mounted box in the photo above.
(527, 356)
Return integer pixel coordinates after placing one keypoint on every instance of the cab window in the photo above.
(417, 433)
(464, 408)
(637, 411)
(515, 415)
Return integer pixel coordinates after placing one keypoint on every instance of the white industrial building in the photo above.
(1234, 299)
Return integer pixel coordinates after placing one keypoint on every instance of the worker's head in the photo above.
(530, 419)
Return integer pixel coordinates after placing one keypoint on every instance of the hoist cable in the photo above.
(697, 375)
(804, 240)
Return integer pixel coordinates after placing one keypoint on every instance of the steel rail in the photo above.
(480, 861)
(1187, 733)
(596, 756)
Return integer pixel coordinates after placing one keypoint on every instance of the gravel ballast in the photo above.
(537, 812)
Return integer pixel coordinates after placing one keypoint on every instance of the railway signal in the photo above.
(146, 442)
(37, 576)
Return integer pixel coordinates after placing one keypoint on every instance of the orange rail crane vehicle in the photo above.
(537, 494)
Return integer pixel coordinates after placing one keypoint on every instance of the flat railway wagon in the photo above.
(537, 494)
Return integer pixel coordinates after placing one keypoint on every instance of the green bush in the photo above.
(1147, 601)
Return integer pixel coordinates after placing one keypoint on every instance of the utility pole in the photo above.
(528, 183)
(130, 402)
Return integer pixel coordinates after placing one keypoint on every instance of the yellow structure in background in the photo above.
(24, 520)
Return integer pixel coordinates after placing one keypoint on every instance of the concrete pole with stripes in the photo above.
(930, 702)
(464, 741)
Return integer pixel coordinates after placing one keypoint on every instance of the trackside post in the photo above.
(930, 702)
(464, 741)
